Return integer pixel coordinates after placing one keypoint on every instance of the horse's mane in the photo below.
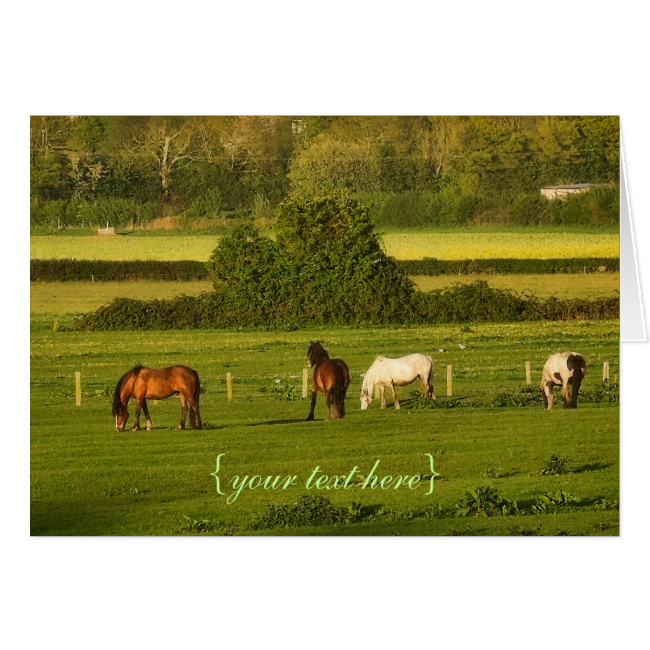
(117, 401)
(317, 351)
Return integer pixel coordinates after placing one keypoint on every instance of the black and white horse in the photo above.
(566, 369)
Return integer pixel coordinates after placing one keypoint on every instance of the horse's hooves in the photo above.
(135, 429)
(310, 418)
(149, 427)
(179, 427)
(397, 406)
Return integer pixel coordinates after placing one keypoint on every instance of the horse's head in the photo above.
(121, 416)
(120, 412)
(315, 353)
(366, 398)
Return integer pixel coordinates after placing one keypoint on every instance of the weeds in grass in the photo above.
(602, 504)
(484, 502)
(468, 530)
(309, 510)
(284, 393)
(526, 532)
(553, 501)
(493, 472)
(193, 525)
(555, 466)
(527, 396)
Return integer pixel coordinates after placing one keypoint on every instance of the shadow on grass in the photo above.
(594, 467)
(273, 422)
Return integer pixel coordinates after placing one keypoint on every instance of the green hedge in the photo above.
(67, 270)
(432, 266)
(475, 302)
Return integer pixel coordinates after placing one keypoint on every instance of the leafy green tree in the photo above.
(326, 266)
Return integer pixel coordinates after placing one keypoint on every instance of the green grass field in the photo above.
(87, 479)
(446, 246)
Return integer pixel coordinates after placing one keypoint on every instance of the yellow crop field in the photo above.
(560, 285)
(444, 246)
(464, 246)
(123, 248)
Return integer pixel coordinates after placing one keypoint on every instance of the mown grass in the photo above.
(562, 286)
(446, 246)
(87, 479)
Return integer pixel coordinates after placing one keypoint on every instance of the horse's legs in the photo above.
(310, 417)
(146, 414)
(183, 399)
(195, 415)
(565, 395)
(328, 403)
(548, 391)
(392, 388)
(383, 396)
(138, 406)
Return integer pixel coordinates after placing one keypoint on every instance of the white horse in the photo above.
(562, 370)
(397, 372)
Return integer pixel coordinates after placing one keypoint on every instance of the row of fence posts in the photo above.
(305, 380)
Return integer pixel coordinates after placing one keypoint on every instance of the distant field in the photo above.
(563, 286)
(446, 246)
(461, 246)
(78, 297)
(123, 248)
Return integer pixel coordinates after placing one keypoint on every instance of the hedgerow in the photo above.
(432, 266)
(66, 270)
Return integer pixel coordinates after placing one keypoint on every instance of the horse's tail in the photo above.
(430, 380)
(197, 389)
(578, 364)
(196, 423)
(337, 394)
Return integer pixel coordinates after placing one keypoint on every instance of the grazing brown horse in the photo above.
(148, 383)
(332, 377)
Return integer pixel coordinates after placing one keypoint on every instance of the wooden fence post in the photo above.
(55, 324)
(527, 373)
(229, 386)
(606, 371)
(77, 387)
(448, 381)
(92, 278)
(305, 377)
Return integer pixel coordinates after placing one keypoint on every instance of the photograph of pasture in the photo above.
(305, 325)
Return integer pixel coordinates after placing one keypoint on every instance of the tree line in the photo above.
(411, 170)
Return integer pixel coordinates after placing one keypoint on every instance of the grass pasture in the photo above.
(402, 246)
(87, 479)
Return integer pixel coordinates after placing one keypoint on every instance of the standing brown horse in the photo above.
(332, 377)
(148, 383)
